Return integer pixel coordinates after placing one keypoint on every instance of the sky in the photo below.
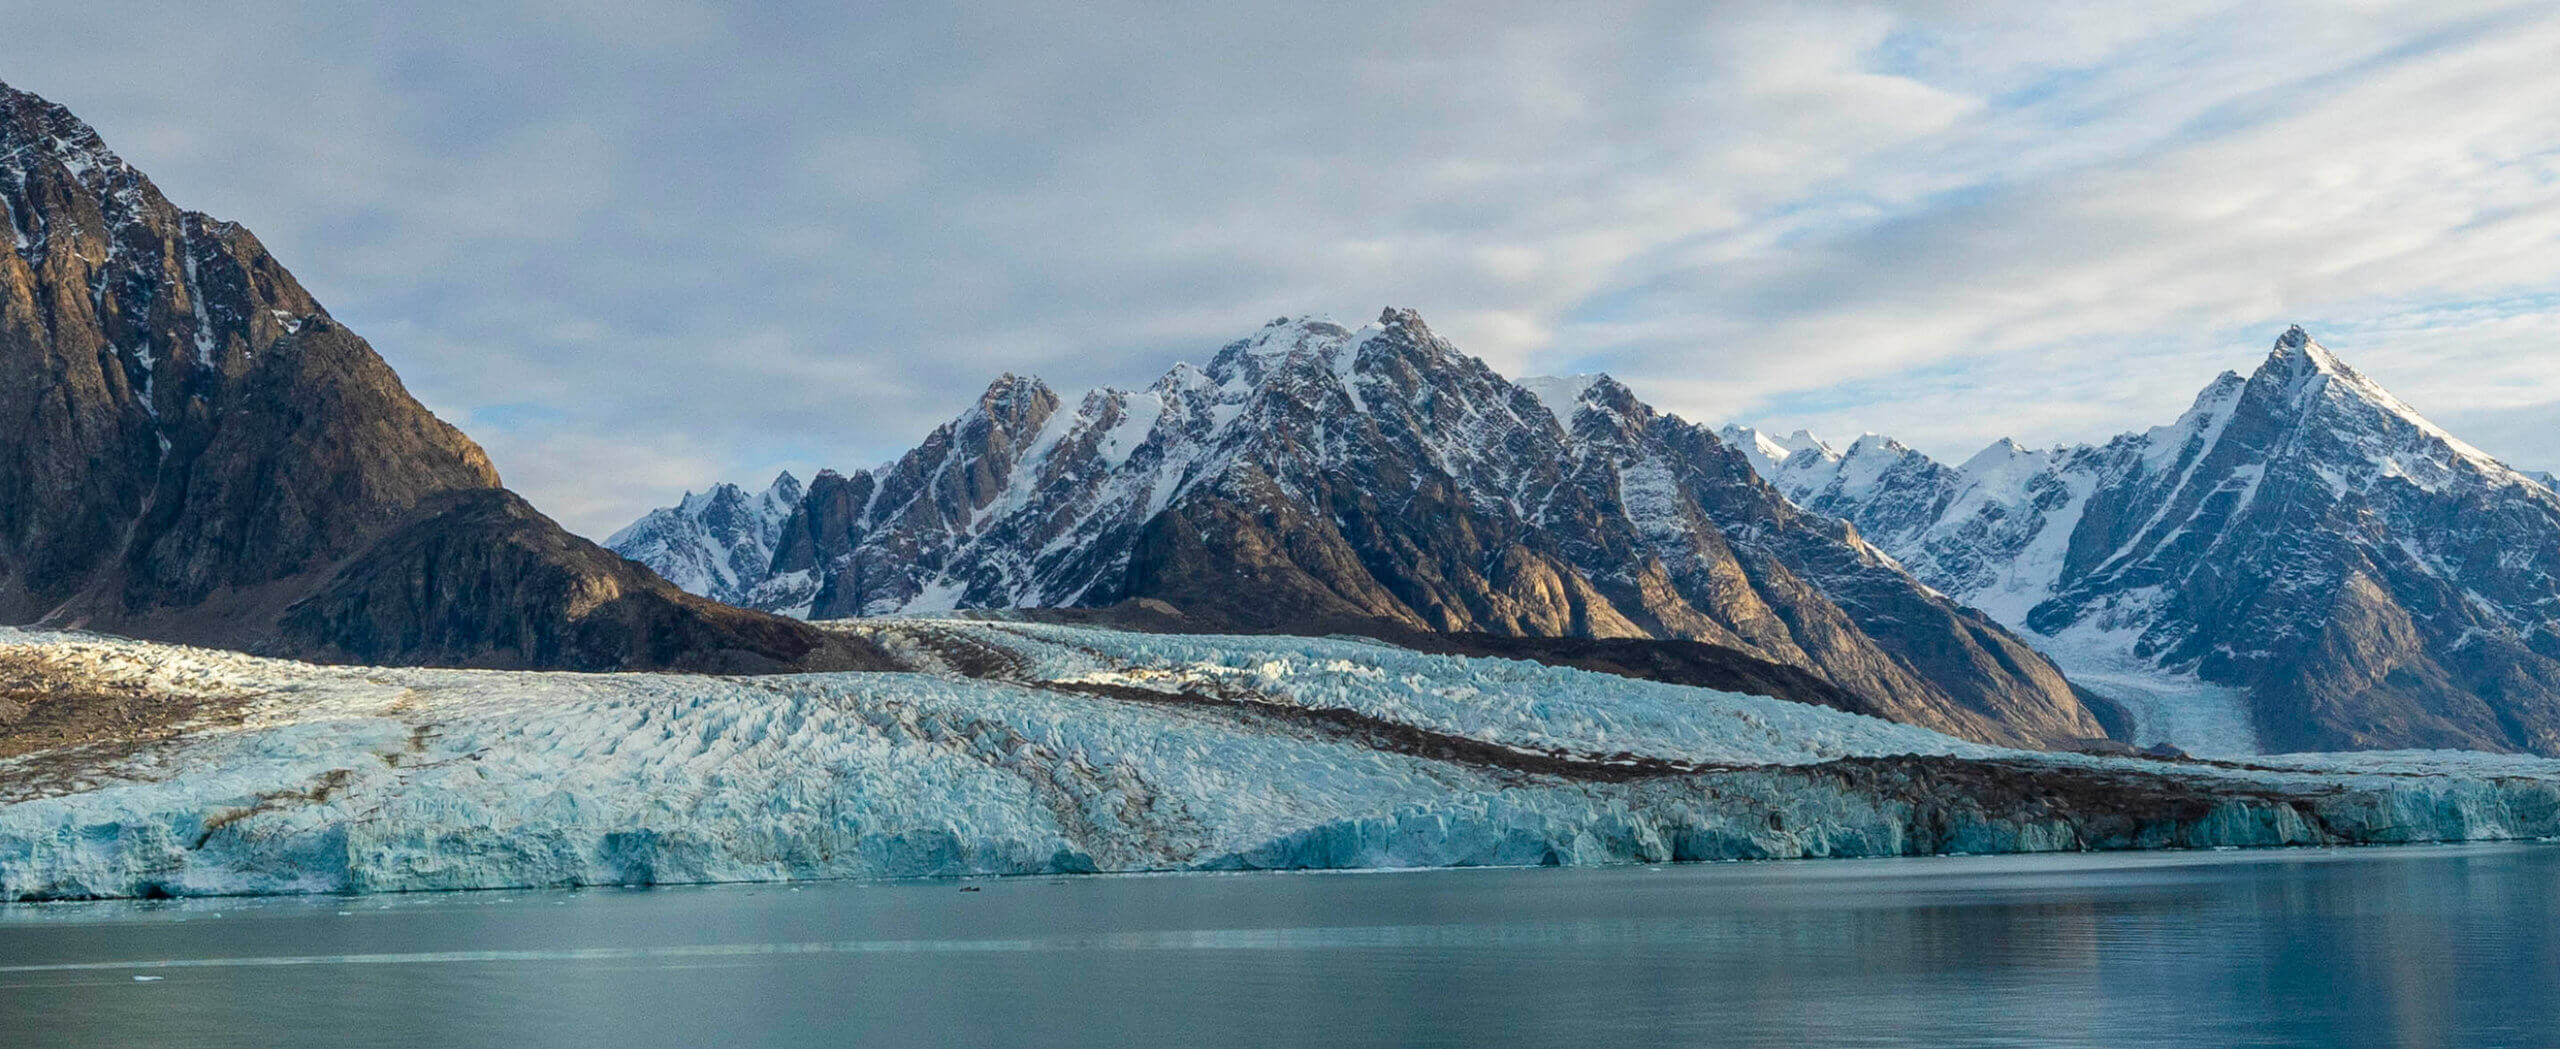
(635, 247)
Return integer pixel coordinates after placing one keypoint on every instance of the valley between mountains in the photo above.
(1336, 596)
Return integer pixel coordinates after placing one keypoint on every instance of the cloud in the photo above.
(637, 247)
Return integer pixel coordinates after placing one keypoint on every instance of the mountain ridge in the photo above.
(1313, 475)
(2299, 532)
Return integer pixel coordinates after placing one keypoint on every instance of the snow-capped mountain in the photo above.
(717, 543)
(1313, 477)
(2300, 533)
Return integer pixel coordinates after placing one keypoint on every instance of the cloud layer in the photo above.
(636, 247)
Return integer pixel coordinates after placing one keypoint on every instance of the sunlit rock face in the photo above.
(2301, 534)
(192, 449)
(1314, 478)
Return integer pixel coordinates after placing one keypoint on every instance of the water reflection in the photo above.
(2412, 947)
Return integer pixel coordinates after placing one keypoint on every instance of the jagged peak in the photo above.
(1871, 442)
(1307, 336)
(1561, 395)
(722, 492)
(1607, 392)
(1404, 326)
(2297, 354)
(2304, 383)
(1800, 447)
(784, 489)
(33, 129)
(1402, 317)
(2305, 370)
(1010, 388)
(1997, 454)
(1015, 402)
(1309, 343)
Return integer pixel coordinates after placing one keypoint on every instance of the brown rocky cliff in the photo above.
(191, 449)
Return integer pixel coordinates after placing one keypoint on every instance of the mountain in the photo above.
(192, 449)
(1314, 478)
(718, 543)
(2300, 534)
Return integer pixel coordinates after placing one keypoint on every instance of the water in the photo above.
(2382, 947)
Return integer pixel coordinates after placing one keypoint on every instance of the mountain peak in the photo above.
(1012, 396)
(33, 130)
(1401, 317)
(1871, 442)
(785, 489)
(1606, 392)
(1010, 385)
(1400, 327)
(2297, 354)
(1561, 394)
(1994, 456)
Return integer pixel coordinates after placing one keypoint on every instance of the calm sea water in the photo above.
(2380, 947)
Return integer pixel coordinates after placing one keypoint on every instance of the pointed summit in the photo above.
(784, 491)
(1009, 389)
(1018, 403)
(1994, 456)
(2297, 355)
(1399, 326)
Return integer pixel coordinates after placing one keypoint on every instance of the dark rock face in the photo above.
(189, 446)
(480, 579)
(2371, 580)
(1316, 478)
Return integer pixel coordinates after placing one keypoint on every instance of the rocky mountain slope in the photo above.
(192, 449)
(1314, 478)
(2301, 534)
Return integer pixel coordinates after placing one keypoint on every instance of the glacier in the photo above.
(1019, 748)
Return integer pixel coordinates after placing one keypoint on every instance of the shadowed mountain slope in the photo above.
(191, 449)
